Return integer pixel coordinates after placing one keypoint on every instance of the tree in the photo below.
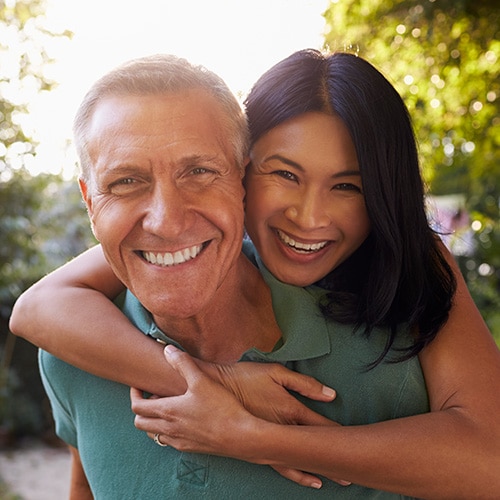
(443, 56)
(23, 230)
(33, 237)
(23, 59)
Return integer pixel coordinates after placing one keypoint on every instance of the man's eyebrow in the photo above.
(120, 168)
(298, 166)
(201, 158)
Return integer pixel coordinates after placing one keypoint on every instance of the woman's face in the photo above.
(305, 209)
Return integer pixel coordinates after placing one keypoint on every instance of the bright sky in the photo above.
(237, 39)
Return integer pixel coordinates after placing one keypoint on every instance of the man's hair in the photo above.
(156, 75)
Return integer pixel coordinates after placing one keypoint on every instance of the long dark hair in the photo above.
(398, 275)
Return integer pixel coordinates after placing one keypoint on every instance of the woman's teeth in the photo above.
(301, 247)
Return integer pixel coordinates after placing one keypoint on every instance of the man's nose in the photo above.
(308, 211)
(168, 211)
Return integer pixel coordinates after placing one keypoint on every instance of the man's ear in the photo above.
(87, 198)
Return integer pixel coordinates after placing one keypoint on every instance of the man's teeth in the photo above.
(173, 259)
(301, 247)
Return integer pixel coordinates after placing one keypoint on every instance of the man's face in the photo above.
(165, 198)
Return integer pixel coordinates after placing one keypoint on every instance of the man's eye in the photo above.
(126, 181)
(201, 171)
(123, 186)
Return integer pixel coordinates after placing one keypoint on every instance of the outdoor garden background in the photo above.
(444, 58)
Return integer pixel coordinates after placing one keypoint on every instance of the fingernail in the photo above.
(327, 391)
(170, 348)
(316, 485)
(345, 483)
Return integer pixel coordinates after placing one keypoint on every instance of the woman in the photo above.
(396, 276)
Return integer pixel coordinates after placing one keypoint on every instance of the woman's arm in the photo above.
(451, 452)
(68, 313)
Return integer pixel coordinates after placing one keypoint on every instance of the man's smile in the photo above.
(174, 258)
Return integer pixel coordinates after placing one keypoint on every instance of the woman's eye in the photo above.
(347, 186)
(286, 174)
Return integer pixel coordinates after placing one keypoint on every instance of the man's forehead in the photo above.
(166, 113)
(181, 127)
(195, 98)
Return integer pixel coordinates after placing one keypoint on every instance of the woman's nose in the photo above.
(308, 212)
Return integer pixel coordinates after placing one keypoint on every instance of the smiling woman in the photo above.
(305, 208)
(387, 326)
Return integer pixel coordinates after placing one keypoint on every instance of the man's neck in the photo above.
(239, 317)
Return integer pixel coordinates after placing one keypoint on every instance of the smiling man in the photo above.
(165, 198)
(162, 146)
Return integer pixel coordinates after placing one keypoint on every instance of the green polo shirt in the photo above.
(121, 462)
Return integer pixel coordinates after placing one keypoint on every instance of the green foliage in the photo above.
(443, 56)
(482, 270)
(23, 62)
(34, 237)
(19, 413)
(43, 224)
(42, 219)
(5, 494)
(444, 59)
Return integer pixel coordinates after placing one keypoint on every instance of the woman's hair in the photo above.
(398, 275)
(156, 75)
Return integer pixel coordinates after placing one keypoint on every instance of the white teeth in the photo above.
(172, 259)
(301, 247)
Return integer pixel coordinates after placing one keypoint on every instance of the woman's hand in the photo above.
(263, 389)
(210, 419)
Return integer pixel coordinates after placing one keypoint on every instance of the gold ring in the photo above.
(156, 439)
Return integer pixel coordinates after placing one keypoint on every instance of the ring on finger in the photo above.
(156, 439)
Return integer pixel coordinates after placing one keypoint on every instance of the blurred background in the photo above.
(443, 56)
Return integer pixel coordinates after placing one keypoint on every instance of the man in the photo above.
(162, 146)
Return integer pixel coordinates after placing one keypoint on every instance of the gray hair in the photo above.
(160, 74)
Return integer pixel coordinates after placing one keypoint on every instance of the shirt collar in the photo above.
(304, 328)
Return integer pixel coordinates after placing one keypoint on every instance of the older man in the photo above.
(162, 146)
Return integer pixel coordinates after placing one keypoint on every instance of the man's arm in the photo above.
(79, 486)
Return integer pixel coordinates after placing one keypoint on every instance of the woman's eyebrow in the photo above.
(286, 161)
(347, 173)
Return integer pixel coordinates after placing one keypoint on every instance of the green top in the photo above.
(121, 462)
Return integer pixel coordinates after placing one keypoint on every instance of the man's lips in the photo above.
(305, 248)
(166, 259)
